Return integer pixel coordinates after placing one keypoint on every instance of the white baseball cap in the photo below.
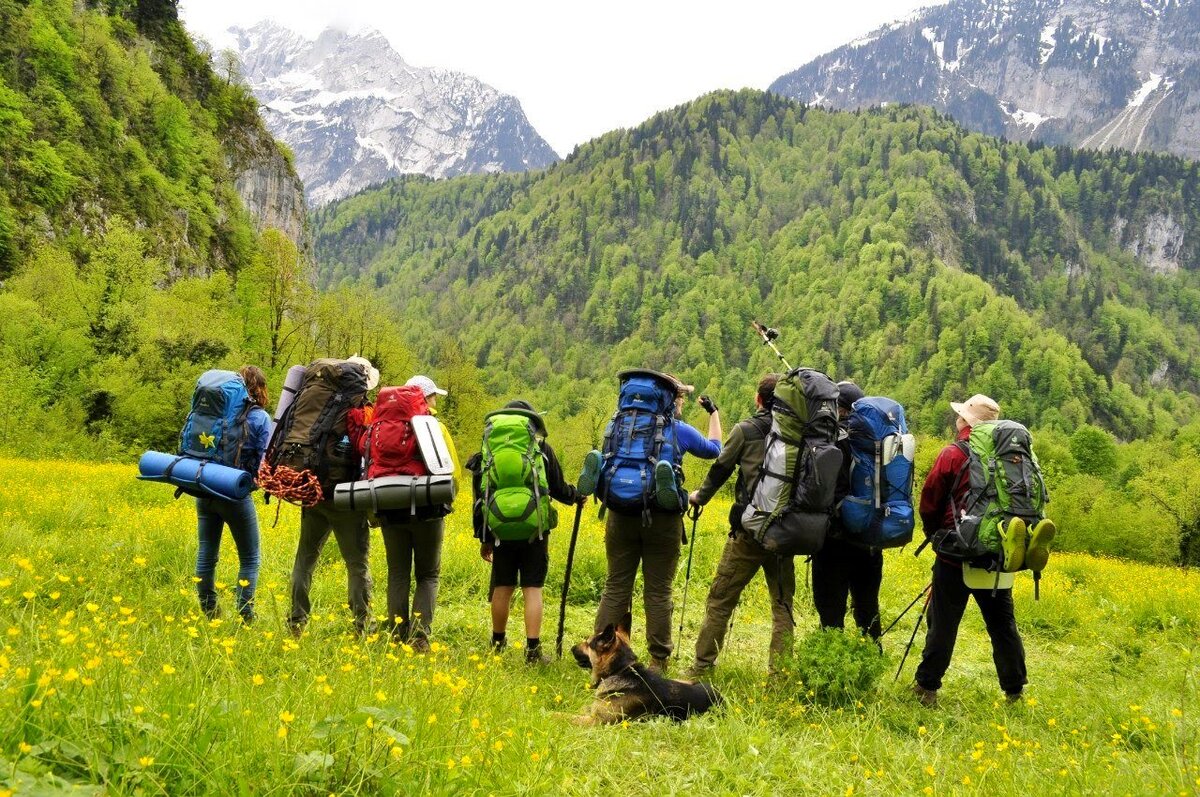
(426, 384)
(372, 371)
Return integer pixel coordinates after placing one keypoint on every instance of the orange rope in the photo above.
(288, 484)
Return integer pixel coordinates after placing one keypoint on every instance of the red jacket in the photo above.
(936, 512)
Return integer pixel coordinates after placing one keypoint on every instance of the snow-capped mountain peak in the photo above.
(355, 113)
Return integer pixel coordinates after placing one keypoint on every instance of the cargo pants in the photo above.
(353, 539)
(627, 544)
(741, 559)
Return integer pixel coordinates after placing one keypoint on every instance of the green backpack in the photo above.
(516, 497)
(1004, 481)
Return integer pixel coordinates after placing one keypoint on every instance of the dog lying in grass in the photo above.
(625, 689)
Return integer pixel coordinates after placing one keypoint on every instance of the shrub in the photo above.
(836, 667)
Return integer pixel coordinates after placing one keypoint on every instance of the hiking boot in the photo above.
(296, 630)
(927, 697)
(1038, 552)
(1012, 697)
(535, 656)
(699, 672)
(496, 648)
(590, 477)
(1012, 544)
(665, 491)
(419, 644)
(658, 665)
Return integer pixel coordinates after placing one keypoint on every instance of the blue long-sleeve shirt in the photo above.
(258, 435)
(694, 443)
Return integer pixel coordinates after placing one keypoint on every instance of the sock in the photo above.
(498, 638)
(532, 643)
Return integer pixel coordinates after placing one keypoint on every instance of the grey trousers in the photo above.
(627, 544)
(413, 546)
(741, 559)
(354, 541)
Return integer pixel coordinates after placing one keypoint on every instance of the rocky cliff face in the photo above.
(267, 183)
(354, 113)
(1092, 73)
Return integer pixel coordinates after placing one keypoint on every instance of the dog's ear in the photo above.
(625, 625)
(607, 636)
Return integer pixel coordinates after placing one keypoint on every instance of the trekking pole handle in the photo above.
(768, 335)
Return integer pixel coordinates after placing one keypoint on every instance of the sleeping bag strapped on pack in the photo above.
(390, 443)
(199, 477)
(640, 434)
(516, 495)
(878, 511)
(793, 497)
(1004, 481)
(216, 428)
(308, 445)
(391, 493)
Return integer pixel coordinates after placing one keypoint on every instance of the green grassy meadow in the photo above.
(112, 682)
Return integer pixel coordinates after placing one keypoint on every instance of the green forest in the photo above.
(890, 247)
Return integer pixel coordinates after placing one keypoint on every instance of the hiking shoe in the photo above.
(1012, 544)
(419, 644)
(496, 648)
(1012, 697)
(658, 665)
(665, 491)
(1038, 552)
(699, 672)
(535, 656)
(590, 477)
(927, 697)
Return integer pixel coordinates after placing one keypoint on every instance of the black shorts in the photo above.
(521, 563)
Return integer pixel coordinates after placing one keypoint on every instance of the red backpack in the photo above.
(391, 444)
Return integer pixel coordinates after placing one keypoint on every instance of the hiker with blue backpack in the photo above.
(742, 556)
(638, 479)
(875, 511)
(513, 479)
(228, 425)
(982, 511)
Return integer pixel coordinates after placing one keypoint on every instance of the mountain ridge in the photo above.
(1118, 73)
(355, 112)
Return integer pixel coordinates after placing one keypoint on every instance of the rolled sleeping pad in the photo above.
(195, 476)
(291, 386)
(394, 493)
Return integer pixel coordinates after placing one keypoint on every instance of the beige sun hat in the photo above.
(977, 409)
(372, 371)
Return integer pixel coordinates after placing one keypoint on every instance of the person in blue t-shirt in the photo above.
(630, 541)
(213, 514)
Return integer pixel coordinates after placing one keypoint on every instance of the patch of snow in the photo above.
(1047, 41)
(371, 145)
(1031, 119)
(1147, 88)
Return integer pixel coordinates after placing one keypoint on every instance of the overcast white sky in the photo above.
(582, 70)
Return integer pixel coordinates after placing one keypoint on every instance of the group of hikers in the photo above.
(812, 479)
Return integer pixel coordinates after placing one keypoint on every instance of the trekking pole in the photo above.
(694, 514)
(907, 609)
(562, 606)
(911, 639)
(769, 335)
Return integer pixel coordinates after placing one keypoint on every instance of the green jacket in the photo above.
(744, 449)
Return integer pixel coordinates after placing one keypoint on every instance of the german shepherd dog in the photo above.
(625, 689)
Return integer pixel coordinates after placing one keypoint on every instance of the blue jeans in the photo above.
(213, 514)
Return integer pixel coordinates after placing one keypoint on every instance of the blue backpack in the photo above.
(640, 434)
(878, 511)
(216, 428)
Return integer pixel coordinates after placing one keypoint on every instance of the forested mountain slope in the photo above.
(890, 246)
(148, 230)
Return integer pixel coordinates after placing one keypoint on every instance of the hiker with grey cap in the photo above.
(945, 490)
(842, 568)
